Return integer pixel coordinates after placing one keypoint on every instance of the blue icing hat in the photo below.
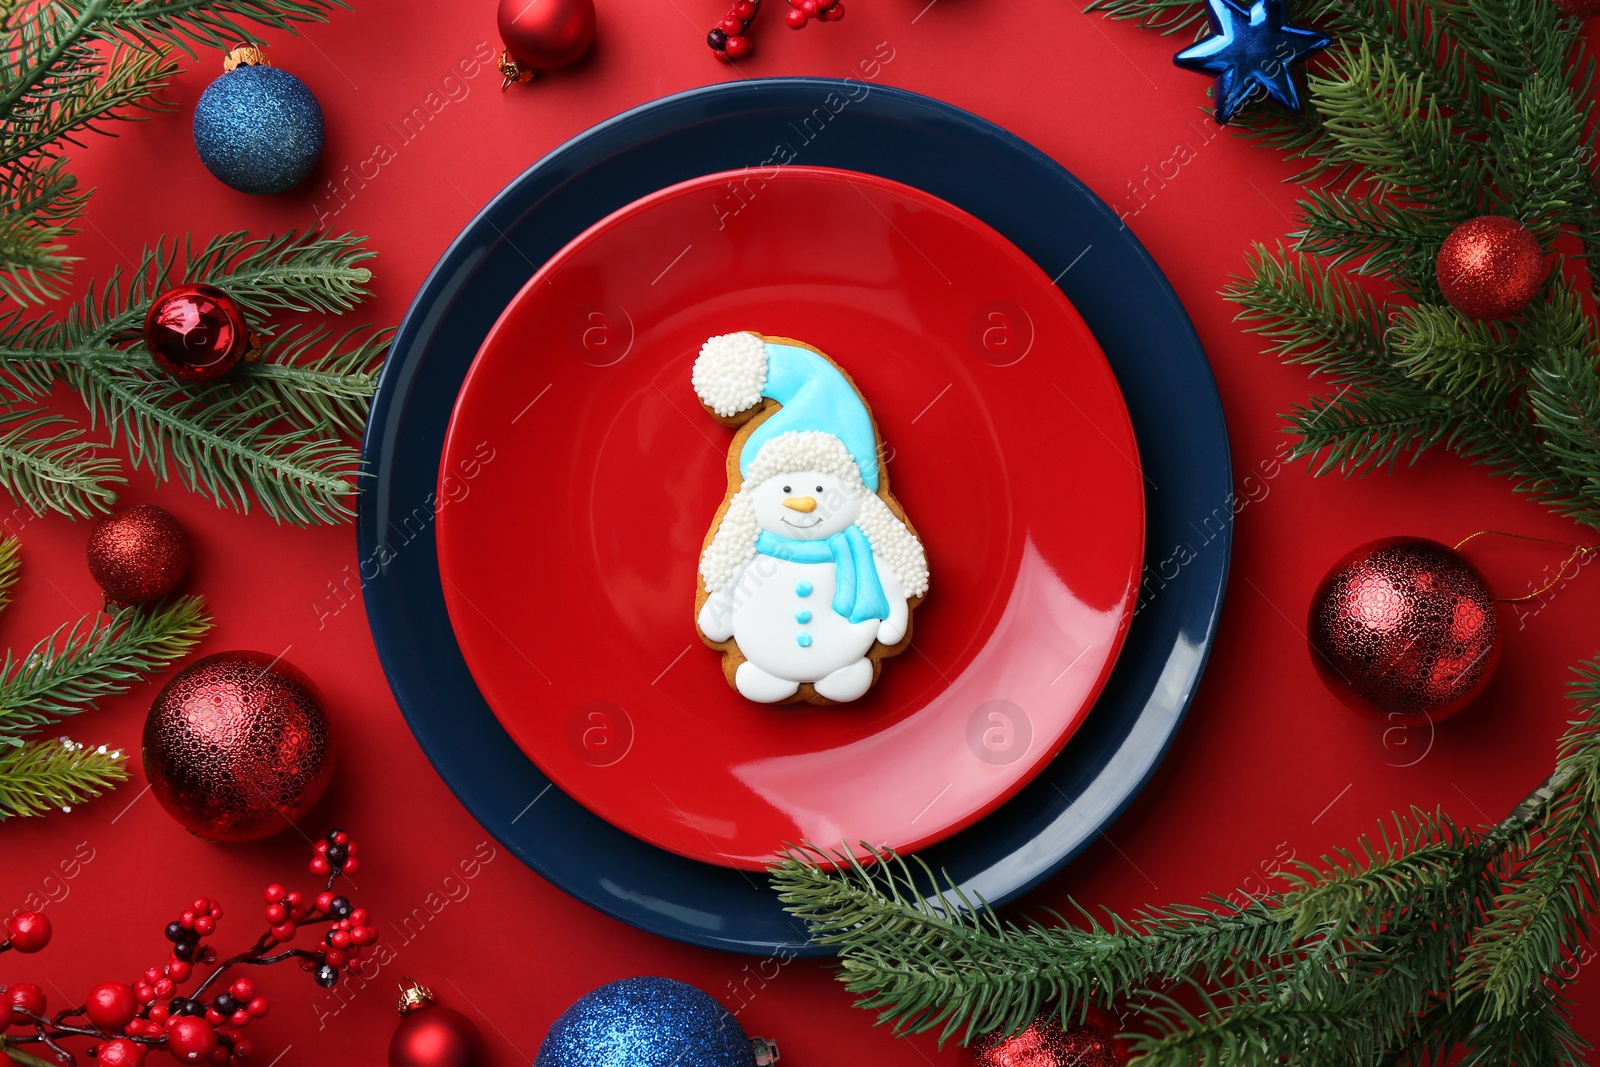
(815, 396)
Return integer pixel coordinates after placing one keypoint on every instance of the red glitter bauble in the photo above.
(547, 34)
(238, 746)
(1404, 627)
(138, 553)
(1491, 267)
(1579, 7)
(1045, 1043)
(196, 332)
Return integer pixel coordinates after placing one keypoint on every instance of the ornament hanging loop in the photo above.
(1579, 552)
(512, 72)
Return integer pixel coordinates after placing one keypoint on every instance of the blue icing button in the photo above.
(803, 588)
(803, 639)
(802, 616)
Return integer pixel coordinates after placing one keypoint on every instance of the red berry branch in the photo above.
(125, 1021)
(730, 39)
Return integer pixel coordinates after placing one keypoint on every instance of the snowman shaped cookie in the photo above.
(810, 572)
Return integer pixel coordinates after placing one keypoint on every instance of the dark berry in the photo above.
(175, 931)
(184, 949)
(337, 855)
(225, 1004)
(717, 39)
(327, 977)
(340, 908)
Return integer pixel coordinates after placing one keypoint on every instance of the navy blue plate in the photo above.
(954, 155)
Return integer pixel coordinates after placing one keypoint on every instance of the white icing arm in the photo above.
(892, 631)
(716, 614)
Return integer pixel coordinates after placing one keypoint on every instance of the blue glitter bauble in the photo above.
(258, 129)
(646, 1022)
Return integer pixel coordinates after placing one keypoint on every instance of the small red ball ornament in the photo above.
(1406, 627)
(28, 931)
(542, 36)
(238, 746)
(138, 553)
(1046, 1043)
(1491, 267)
(197, 333)
(430, 1035)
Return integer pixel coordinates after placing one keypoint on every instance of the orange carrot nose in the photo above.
(800, 503)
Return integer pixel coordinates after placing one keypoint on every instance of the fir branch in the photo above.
(43, 775)
(93, 658)
(10, 568)
(1543, 912)
(37, 203)
(50, 469)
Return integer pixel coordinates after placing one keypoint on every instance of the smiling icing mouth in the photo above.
(797, 526)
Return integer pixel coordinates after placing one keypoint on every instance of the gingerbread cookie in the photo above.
(810, 572)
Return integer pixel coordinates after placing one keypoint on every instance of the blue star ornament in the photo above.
(1251, 49)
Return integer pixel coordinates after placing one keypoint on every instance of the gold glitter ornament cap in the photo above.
(413, 996)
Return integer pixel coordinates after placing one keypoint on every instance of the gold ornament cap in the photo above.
(414, 996)
(512, 72)
(245, 56)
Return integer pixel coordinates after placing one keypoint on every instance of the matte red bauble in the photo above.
(545, 34)
(1046, 1043)
(196, 332)
(138, 553)
(1404, 626)
(1491, 267)
(238, 746)
(430, 1035)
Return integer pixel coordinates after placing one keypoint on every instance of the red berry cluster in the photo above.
(803, 11)
(127, 1020)
(730, 38)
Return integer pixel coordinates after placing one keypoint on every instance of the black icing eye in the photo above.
(819, 488)
(786, 489)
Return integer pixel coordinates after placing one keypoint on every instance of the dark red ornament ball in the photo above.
(1491, 267)
(28, 931)
(138, 553)
(435, 1036)
(1579, 7)
(1046, 1043)
(196, 332)
(547, 34)
(1405, 627)
(238, 746)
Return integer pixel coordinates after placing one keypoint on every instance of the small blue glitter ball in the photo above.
(258, 129)
(646, 1022)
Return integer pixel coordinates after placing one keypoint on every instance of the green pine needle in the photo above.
(95, 657)
(46, 775)
(10, 568)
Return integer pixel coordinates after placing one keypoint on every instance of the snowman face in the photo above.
(806, 505)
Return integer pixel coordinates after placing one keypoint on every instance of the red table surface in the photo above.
(1269, 765)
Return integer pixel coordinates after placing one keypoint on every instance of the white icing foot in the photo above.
(848, 682)
(756, 684)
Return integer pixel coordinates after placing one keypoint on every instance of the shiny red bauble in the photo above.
(111, 1005)
(238, 746)
(25, 996)
(1046, 1043)
(120, 1052)
(138, 553)
(28, 931)
(196, 332)
(545, 34)
(435, 1036)
(1404, 627)
(190, 1039)
(1491, 267)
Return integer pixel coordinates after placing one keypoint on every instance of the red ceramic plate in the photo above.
(581, 474)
